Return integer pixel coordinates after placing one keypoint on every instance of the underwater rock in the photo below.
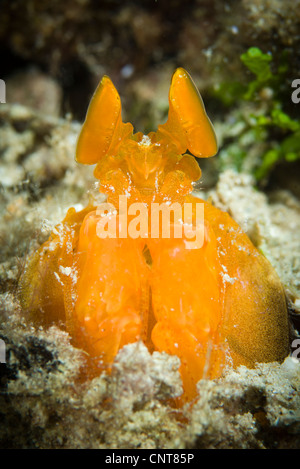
(35, 90)
(78, 41)
(41, 388)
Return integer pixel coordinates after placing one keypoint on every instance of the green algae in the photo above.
(267, 130)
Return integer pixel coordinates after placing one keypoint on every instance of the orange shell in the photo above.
(218, 304)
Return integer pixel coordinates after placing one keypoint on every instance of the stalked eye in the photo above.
(103, 128)
(188, 124)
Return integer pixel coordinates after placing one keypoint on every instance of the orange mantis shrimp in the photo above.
(214, 303)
